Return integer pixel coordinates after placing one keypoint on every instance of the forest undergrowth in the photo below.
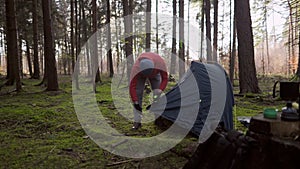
(40, 129)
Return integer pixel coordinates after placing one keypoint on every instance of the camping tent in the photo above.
(200, 101)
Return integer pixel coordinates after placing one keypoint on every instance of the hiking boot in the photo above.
(136, 126)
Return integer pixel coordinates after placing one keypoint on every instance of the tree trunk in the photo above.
(202, 30)
(100, 52)
(134, 29)
(215, 43)
(77, 31)
(36, 65)
(72, 35)
(109, 54)
(59, 60)
(28, 58)
(20, 55)
(298, 69)
(208, 30)
(263, 56)
(117, 33)
(247, 70)
(291, 40)
(296, 32)
(66, 51)
(289, 51)
(12, 46)
(157, 27)
(52, 82)
(267, 37)
(298, 28)
(85, 38)
(1, 45)
(95, 61)
(181, 39)
(233, 53)
(127, 7)
(77, 43)
(231, 65)
(148, 26)
(174, 53)
(188, 33)
(77, 38)
(42, 59)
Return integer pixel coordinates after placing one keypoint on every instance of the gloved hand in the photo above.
(137, 107)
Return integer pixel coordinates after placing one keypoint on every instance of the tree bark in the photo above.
(85, 38)
(181, 39)
(116, 3)
(95, 61)
(298, 69)
(267, 37)
(77, 32)
(1, 43)
(72, 35)
(291, 40)
(36, 65)
(247, 70)
(65, 59)
(127, 7)
(42, 59)
(99, 32)
(188, 33)
(215, 43)
(202, 30)
(174, 53)
(148, 26)
(157, 45)
(77, 43)
(19, 37)
(12, 44)
(28, 58)
(208, 30)
(52, 82)
(109, 53)
(233, 53)
(298, 28)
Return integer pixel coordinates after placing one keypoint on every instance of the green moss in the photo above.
(40, 129)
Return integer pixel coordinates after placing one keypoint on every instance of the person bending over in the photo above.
(149, 66)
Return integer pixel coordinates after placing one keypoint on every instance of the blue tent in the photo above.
(200, 101)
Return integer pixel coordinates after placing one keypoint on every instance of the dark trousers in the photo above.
(155, 84)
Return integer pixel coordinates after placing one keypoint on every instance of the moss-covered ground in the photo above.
(40, 129)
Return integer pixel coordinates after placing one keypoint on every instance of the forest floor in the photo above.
(40, 129)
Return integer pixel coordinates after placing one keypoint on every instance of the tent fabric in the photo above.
(200, 101)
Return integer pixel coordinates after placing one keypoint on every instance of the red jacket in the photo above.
(159, 67)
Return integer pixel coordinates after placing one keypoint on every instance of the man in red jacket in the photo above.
(147, 66)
